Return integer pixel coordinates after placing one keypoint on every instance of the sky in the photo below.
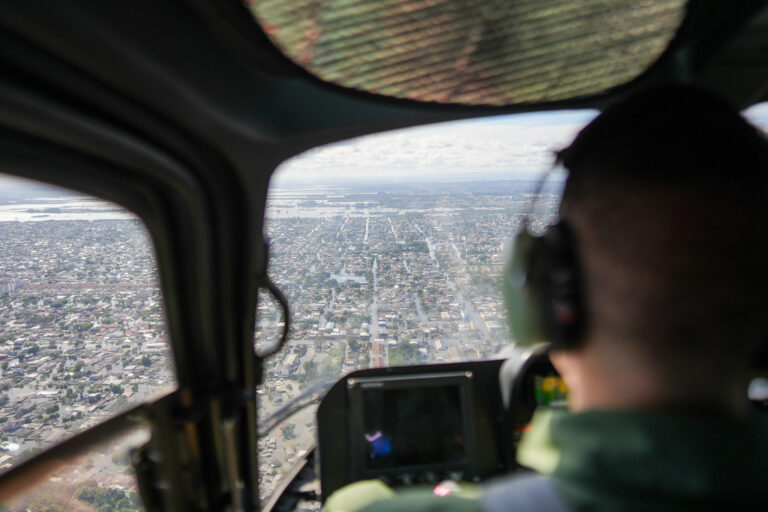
(496, 147)
(489, 148)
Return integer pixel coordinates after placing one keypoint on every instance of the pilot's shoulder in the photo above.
(426, 502)
(374, 496)
(526, 492)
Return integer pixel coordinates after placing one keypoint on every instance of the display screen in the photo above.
(550, 391)
(412, 426)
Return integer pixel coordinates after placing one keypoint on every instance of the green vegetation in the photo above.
(110, 500)
(331, 365)
(289, 431)
(414, 246)
(82, 326)
(310, 372)
(486, 282)
(403, 353)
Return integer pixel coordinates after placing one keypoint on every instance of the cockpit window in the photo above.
(476, 52)
(758, 115)
(82, 328)
(390, 249)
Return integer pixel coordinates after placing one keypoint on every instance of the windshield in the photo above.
(389, 249)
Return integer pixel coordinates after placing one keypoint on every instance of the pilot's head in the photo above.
(667, 199)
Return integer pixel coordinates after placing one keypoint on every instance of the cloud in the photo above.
(497, 145)
(492, 146)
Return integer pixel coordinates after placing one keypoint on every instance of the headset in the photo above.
(542, 285)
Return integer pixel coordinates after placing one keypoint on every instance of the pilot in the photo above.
(667, 218)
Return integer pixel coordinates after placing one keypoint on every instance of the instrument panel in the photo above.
(424, 424)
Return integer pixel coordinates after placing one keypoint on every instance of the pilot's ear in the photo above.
(564, 362)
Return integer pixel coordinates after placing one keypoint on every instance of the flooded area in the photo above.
(62, 208)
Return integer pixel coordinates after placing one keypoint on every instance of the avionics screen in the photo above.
(412, 426)
(550, 391)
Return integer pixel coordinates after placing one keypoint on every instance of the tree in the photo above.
(310, 370)
(289, 431)
(109, 499)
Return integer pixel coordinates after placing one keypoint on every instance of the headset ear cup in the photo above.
(562, 291)
(542, 289)
(522, 289)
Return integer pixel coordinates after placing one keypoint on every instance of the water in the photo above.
(374, 328)
(458, 254)
(432, 252)
(393, 229)
(62, 208)
(420, 312)
(342, 276)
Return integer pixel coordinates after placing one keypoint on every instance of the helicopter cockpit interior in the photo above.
(220, 291)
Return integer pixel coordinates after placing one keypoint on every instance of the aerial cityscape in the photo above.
(375, 276)
(384, 276)
(82, 336)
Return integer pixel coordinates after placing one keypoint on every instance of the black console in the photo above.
(412, 428)
(411, 425)
(424, 424)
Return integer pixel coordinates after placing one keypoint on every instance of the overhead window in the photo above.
(478, 52)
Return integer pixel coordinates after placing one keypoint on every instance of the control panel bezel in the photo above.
(421, 473)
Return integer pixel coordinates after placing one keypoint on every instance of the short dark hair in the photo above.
(668, 190)
(671, 135)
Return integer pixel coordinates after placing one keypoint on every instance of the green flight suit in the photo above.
(636, 461)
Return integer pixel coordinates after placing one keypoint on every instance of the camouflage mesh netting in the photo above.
(492, 52)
